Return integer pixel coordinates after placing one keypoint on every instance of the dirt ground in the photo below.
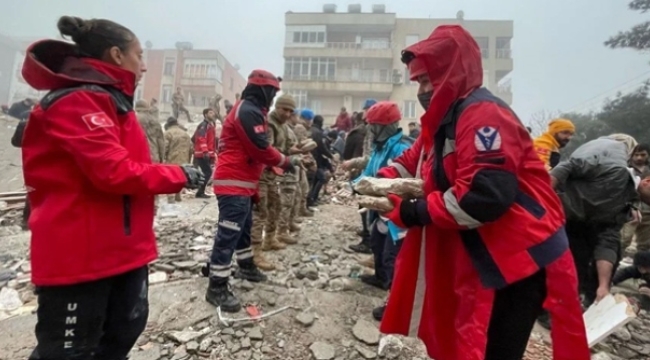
(10, 160)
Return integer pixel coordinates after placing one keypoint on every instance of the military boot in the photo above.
(297, 220)
(368, 262)
(219, 295)
(178, 197)
(305, 212)
(260, 261)
(285, 237)
(293, 227)
(271, 243)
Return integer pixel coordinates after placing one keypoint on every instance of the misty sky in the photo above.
(560, 60)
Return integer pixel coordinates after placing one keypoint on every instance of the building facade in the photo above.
(201, 74)
(339, 59)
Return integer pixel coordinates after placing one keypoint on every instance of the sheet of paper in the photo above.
(613, 312)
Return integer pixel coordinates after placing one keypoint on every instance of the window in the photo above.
(503, 48)
(301, 98)
(166, 94)
(411, 39)
(407, 78)
(409, 110)
(484, 44)
(375, 44)
(310, 68)
(202, 69)
(170, 64)
(309, 37)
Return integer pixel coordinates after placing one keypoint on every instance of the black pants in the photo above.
(316, 186)
(26, 211)
(515, 309)
(385, 252)
(98, 320)
(206, 169)
(590, 242)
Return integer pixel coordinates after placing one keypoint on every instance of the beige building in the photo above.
(339, 59)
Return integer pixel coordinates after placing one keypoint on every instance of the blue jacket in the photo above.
(393, 148)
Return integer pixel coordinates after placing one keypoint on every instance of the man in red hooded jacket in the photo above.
(486, 248)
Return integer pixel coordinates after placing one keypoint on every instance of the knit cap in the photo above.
(285, 101)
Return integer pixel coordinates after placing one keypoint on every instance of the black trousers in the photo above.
(98, 320)
(206, 169)
(514, 312)
(385, 252)
(317, 185)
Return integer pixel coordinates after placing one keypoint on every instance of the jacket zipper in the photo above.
(126, 204)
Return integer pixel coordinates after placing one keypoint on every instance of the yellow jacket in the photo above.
(545, 145)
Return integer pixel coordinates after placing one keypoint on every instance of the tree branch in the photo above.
(636, 38)
(639, 5)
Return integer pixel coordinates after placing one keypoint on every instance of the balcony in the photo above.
(186, 81)
(343, 82)
(342, 50)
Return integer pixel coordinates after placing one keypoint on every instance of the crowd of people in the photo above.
(507, 233)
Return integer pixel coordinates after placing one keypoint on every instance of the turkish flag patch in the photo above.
(97, 120)
(259, 129)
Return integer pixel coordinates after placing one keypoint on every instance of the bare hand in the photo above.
(601, 293)
(636, 216)
(294, 150)
(346, 165)
(645, 291)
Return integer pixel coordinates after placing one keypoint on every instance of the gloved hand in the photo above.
(388, 172)
(206, 156)
(408, 213)
(291, 163)
(195, 178)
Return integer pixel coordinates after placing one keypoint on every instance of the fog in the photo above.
(560, 62)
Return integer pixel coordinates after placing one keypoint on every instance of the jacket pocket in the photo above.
(126, 208)
(530, 205)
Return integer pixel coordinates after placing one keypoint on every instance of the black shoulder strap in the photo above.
(123, 104)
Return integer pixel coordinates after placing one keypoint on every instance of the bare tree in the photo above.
(538, 121)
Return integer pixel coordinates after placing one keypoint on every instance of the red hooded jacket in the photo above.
(88, 172)
(244, 149)
(495, 218)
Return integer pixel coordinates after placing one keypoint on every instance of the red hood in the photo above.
(452, 59)
(52, 64)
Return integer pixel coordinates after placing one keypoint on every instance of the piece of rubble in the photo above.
(192, 347)
(366, 332)
(7, 274)
(185, 265)
(406, 188)
(366, 353)
(256, 334)
(183, 337)
(9, 299)
(390, 347)
(157, 277)
(601, 356)
(381, 204)
(246, 343)
(306, 319)
(322, 351)
(205, 344)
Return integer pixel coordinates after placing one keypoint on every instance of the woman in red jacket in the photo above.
(91, 186)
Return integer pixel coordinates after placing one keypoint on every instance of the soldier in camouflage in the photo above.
(215, 105)
(308, 162)
(153, 109)
(178, 104)
(178, 149)
(152, 129)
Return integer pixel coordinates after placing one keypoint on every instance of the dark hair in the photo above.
(318, 121)
(642, 258)
(412, 123)
(95, 36)
(206, 111)
(642, 147)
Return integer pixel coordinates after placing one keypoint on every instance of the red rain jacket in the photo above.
(495, 218)
(244, 149)
(87, 167)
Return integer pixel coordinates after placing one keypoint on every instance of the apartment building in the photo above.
(339, 59)
(199, 73)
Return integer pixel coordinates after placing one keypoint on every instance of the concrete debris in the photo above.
(322, 351)
(306, 319)
(9, 299)
(366, 332)
(390, 347)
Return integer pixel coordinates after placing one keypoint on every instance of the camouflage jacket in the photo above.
(154, 132)
(178, 146)
(279, 138)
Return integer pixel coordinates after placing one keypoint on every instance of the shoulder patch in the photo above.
(97, 120)
(487, 138)
(259, 129)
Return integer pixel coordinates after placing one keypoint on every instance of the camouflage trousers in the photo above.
(288, 192)
(302, 190)
(266, 212)
(639, 232)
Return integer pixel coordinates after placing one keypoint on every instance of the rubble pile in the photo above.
(16, 290)
(11, 169)
(629, 342)
(11, 207)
